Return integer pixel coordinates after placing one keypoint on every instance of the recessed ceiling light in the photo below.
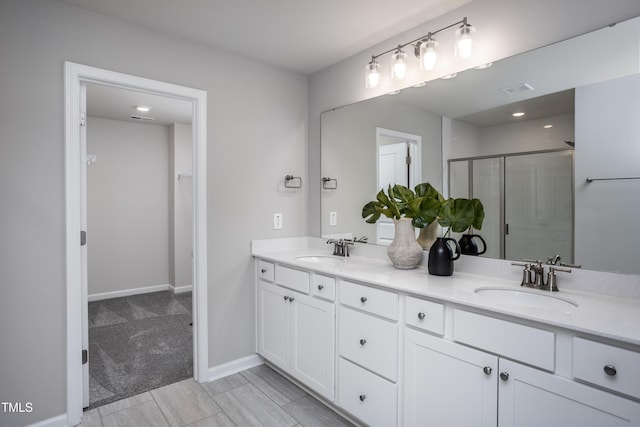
(143, 108)
(518, 114)
(421, 84)
(548, 126)
(393, 92)
(449, 76)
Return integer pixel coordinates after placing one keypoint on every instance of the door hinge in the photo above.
(83, 119)
(83, 238)
(409, 160)
(85, 357)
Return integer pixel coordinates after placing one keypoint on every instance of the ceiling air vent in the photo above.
(148, 119)
(520, 87)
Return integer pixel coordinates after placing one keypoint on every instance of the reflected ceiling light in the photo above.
(143, 108)
(421, 84)
(548, 126)
(449, 76)
(484, 66)
(393, 92)
(425, 49)
(518, 114)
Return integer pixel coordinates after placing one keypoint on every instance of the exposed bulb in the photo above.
(398, 65)
(372, 76)
(464, 40)
(428, 54)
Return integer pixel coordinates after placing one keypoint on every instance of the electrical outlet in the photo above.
(277, 221)
(333, 218)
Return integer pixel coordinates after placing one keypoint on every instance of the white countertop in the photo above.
(599, 315)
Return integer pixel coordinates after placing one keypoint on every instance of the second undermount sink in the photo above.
(525, 298)
(319, 259)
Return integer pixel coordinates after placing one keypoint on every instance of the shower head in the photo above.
(570, 143)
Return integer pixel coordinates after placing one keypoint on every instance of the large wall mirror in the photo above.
(581, 99)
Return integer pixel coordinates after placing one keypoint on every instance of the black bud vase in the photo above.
(441, 257)
(469, 247)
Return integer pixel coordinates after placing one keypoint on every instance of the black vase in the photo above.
(469, 247)
(441, 257)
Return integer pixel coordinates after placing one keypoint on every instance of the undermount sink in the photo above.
(525, 298)
(319, 259)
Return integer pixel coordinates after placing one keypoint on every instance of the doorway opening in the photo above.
(398, 160)
(76, 76)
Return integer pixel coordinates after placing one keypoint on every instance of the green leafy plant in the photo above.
(461, 214)
(422, 206)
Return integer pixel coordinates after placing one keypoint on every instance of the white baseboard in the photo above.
(138, 291)
(234, 366)
(59, 421)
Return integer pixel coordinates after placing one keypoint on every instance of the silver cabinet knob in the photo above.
(487, 370)
(504, 376)
(363, 341)
(264, 270)
(362, 397)
(421, 316)
(286, 298)
(363, 299)
(290, 299)
(610, 370)
(320, 287)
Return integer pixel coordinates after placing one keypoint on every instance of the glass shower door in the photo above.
(539, 206)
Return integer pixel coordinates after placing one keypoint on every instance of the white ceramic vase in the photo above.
(428, 235)
(404, 252)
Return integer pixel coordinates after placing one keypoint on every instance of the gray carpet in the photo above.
(138, 343)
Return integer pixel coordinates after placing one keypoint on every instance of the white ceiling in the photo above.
(299, 35)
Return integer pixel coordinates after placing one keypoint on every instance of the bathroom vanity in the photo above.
(403, 348)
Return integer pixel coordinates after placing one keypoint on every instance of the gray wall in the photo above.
(257, 133)
(606, 116)
(127, 205)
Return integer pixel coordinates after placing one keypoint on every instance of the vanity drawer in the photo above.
(607, 366)
(265, 270)
(426, 315)
(323, 287)
(367, 396)
(369, 341)
(376, 301)
(523, 343)
(291, 278)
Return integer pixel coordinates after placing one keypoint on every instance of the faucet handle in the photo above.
(552, 282)
(566, 264)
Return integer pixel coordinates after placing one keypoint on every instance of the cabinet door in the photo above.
(274, 337)
(532, 398)
(313, 335)
(446, 384)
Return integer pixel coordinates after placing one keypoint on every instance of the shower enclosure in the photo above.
(528, 201)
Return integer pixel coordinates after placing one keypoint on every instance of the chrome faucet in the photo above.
(340, 247)
(533, 275)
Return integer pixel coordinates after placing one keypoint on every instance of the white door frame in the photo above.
(74, 75)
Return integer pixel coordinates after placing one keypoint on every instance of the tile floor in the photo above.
(256, 397)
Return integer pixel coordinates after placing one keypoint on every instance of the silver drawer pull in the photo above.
(264, 270)
(421, 316)
(320, 287)
(504, 376)
(362, 397)
(487, 370)
(286, 298)
(610, 370)
(363, 299)
(290, 299)
(363, 341)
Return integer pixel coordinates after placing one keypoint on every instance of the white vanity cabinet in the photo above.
(296, 331)
(368, 342)
(481, 387)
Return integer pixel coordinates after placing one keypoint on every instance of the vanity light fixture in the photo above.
(425, 49)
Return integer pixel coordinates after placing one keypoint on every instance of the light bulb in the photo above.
(398, 65)
(428, 54)
(372, 76)
(464, 40)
